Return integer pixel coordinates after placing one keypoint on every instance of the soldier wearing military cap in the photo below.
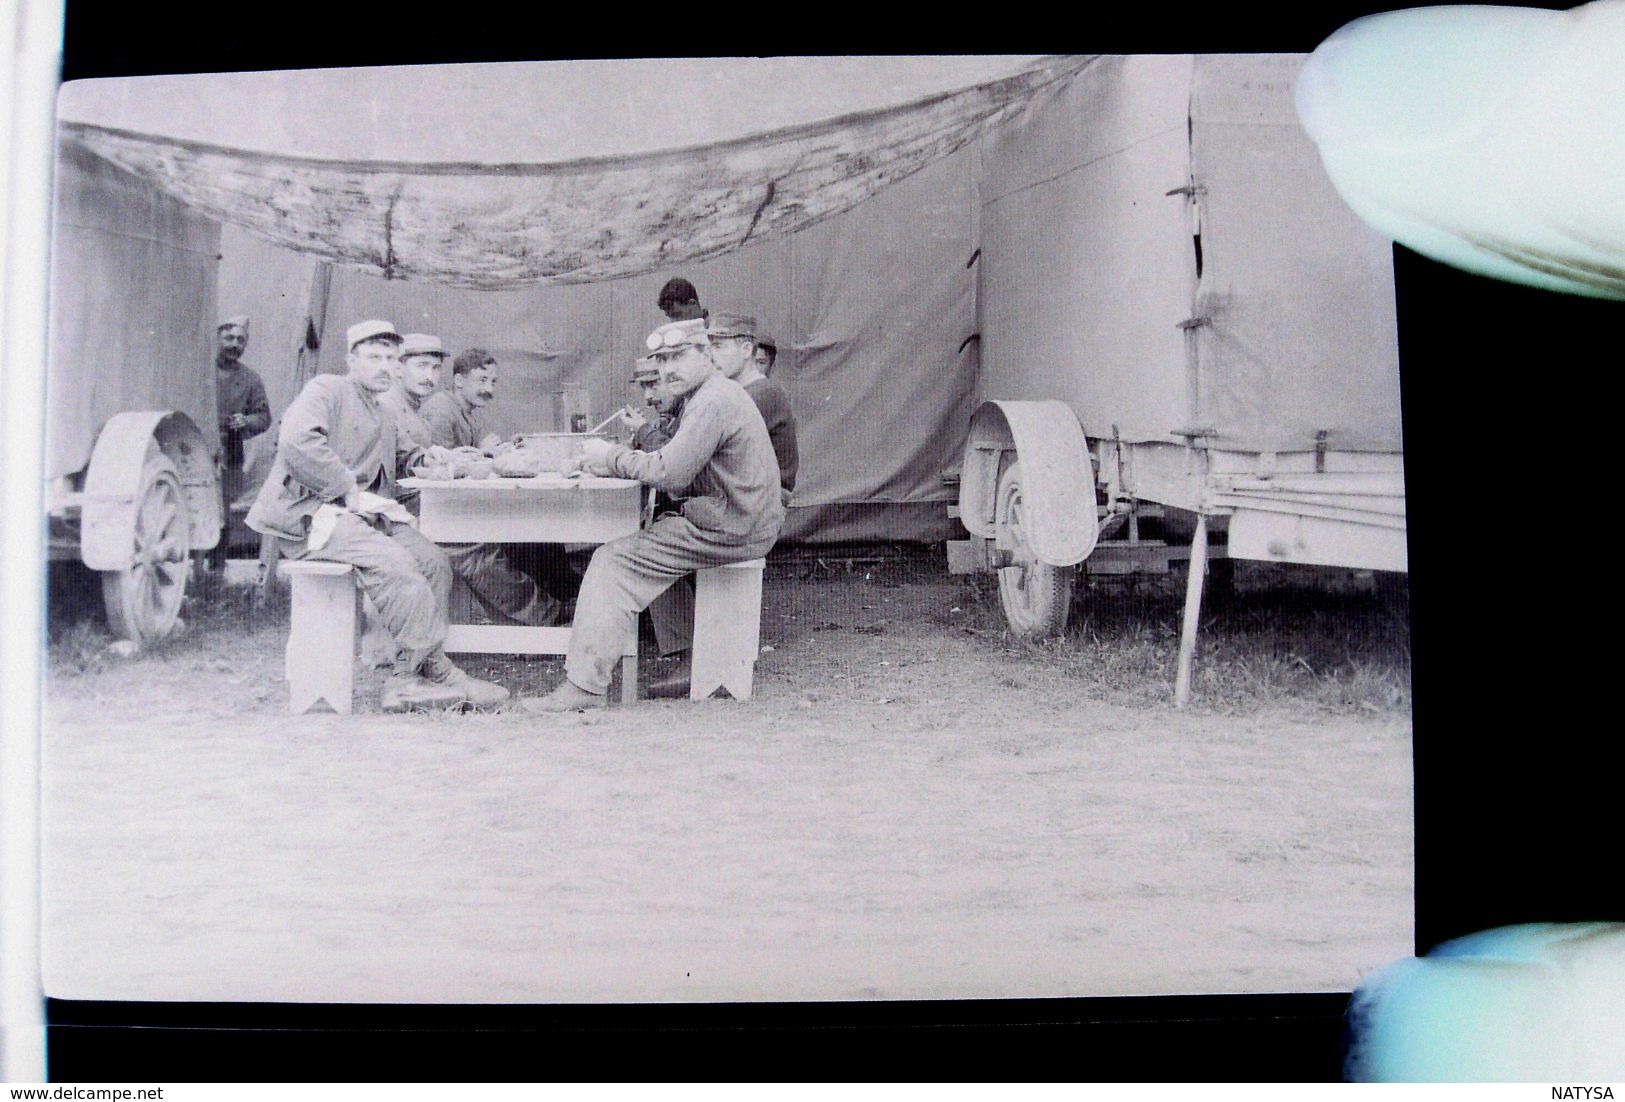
(722, 461)
(651, 430)
(417, 377)
(240, 403)
(733, 345)
(432, 421)
(336, 444)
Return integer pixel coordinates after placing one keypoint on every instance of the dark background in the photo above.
(1508, 430)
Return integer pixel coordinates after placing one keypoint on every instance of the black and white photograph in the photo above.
(720, 531)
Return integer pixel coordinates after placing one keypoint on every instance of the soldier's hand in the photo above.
(595, 456)
(438, 453)
(491, 440)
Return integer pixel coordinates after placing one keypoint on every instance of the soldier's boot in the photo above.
(404, 692)
(441, 672)
(568, 697)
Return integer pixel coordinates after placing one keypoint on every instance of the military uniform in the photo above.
(336, 438)
(483, 572)
(672, 613)
(412, 436)
(239, 389)
(722, 458)
(774, 405)
(655, 434)
(451, 423)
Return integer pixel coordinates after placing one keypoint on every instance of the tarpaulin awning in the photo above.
(623, 170)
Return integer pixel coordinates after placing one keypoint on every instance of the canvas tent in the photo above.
(835, 199)
(1294, 295)
(878, 216)
(118, 239)
(870, 309)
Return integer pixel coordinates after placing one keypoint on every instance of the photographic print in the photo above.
(720, 530)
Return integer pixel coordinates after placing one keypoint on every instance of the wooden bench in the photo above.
(727, 629)
(322, 635)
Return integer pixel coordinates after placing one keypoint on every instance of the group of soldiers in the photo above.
(717, 441)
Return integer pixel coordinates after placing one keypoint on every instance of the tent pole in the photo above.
(308, 364)
(1193, 612)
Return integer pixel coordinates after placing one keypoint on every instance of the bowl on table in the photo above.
(558, 451)
(517, 463)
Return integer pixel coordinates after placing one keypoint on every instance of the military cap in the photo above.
(422, 344)
(367, 330)
(732, 325)
(678, 334)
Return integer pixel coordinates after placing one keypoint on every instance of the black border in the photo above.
(1507, 428)
(1186, 1038)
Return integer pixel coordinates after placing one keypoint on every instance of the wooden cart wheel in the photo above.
(1036, 595)
(144, 599)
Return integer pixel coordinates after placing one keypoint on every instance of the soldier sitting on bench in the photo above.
(337, 443)
(721, 459)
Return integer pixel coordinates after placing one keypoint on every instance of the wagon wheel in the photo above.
(144, 599)
(1036, 595)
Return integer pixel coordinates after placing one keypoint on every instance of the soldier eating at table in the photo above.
(733, 347)
(672, 613)
(721, 459)
(330, 496)
(417, 377)
(450, 413)
(485, 573)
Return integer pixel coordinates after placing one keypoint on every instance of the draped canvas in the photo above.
(493, 225)
(871, 311)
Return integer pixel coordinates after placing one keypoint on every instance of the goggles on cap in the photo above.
(672, 338)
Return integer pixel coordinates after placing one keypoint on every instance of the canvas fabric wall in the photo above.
(871, 310)
(121, 249)
(1054, 257)
(1090, 267)
(1303, 335)
(1087, 264)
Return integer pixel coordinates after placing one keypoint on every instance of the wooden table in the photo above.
(546, 509)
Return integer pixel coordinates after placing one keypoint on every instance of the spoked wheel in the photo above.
(1036, 595)
(144, 599)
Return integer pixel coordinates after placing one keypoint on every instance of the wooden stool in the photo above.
(727, 629)
(322, 637)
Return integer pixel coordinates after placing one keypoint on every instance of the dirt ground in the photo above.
(909, 807)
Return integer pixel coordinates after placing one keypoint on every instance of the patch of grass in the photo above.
(81, 648)
(1294, 637)
(1331, 640)
(212, 614)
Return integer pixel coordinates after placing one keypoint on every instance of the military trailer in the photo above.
(131, 438)
(1178, 318)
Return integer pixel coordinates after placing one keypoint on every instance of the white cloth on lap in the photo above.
(369, 505)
